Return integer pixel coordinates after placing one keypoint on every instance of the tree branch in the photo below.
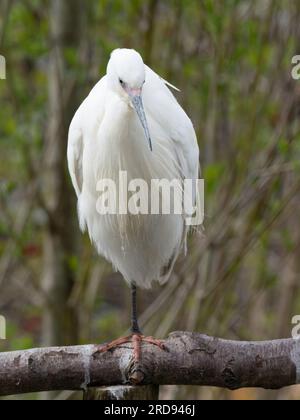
(191, 359)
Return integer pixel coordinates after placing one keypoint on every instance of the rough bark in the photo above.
(191, 359)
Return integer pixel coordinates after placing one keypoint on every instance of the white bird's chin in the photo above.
(126, 99)
(129, 104)
(122, 103)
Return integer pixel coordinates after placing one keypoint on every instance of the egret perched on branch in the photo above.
(132, 122)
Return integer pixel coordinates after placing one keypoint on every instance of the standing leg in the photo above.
(135, 329)
(136, 337)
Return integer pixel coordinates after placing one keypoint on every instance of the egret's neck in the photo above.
(121, 136)
(116, 123)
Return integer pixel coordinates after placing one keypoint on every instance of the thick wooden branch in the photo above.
(192, 359)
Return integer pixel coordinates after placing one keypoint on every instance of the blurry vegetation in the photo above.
(232, 61)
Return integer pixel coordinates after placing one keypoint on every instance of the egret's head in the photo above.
(126, 76)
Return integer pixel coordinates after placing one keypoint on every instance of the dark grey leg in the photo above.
(135, 329)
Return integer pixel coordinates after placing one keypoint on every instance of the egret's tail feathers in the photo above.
(81, 215)
(168, 268)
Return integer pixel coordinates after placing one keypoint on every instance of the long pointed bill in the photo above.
(137, 102)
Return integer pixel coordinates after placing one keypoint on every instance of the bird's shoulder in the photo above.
(92, 108)
(84, 123)
(164, 108)
(163, 105)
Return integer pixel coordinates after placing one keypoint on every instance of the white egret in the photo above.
(132, 122)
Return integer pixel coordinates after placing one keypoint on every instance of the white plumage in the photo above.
(106, 136)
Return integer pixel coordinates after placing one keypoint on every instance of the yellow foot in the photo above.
(136, 340)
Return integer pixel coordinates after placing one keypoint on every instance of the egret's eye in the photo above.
(121, 82)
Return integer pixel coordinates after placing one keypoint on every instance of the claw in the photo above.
(136, 340)
(155, 342)
(114, 344)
